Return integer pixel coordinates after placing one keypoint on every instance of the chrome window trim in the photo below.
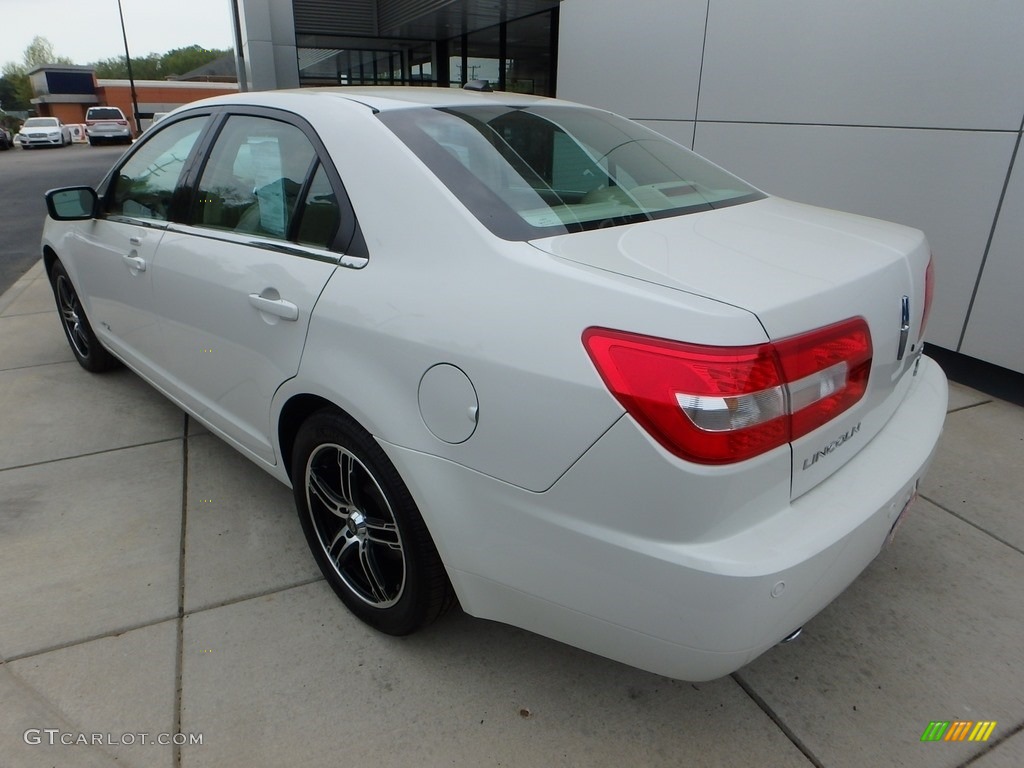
(270, 244)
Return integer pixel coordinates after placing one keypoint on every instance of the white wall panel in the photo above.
(946, 183)
(915, 63)
(641, 60)
(680, 131)
(995, 325)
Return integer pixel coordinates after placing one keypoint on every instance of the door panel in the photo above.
(234, 287)
(232, 351)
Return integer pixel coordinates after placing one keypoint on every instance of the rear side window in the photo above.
(254, 177)
(321, 214)
(144, 186)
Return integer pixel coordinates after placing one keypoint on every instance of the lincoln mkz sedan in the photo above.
(522, 354)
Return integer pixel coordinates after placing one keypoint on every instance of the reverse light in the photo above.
(718, 405)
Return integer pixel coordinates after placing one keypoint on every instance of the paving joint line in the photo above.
(91, 638)
(254, 596)
(973, 524)
(90, 453)
(968, 407)
(774, 717)
(33, 365)
(1001, 740)
(180, 641)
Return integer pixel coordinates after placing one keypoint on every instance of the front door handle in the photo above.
(134, 262)
(279, 307)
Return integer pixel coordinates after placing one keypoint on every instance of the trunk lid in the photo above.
(797, 268)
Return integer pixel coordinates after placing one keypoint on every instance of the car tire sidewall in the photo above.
(426, 593)
(98, 359)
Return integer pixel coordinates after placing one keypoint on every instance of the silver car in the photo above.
(107, 124)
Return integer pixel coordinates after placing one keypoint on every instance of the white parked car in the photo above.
(43, 132)
(107, 124)
(521, 353)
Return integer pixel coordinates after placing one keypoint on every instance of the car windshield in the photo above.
(104, 113)
(546, 170)
(41, 122)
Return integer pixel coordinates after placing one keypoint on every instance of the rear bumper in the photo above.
(692, 609)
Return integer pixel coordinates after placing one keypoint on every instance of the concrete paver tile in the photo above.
(266, 679)
(242, 535)
(22, 711)
(1009, 754)
(91, 545)
(931, 631)
(118, 687)
(977, 471)
(37, 296)
(27, 340)
(56, 411)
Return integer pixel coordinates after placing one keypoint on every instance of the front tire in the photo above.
(86, 347)
(363, 527)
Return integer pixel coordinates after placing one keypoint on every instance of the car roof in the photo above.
(382, 98)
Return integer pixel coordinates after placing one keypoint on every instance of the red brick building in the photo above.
(67, 92)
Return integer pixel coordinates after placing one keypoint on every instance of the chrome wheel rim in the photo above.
(72, 317)
(355, 525)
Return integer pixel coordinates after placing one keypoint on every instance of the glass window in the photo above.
(144, 186)
(253, 178)
(544, 170)
(320, 213)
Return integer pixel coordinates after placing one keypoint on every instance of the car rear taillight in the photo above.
(929, 294)
(90, 122)
(718, 405)
(122, 122)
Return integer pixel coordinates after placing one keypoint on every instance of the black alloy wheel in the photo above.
(364, 528)
(86, 347)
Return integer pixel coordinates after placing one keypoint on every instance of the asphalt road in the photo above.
(24, 176)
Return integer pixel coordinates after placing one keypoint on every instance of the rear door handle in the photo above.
(279, 307)
(134, 262)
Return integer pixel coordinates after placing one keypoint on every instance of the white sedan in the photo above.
(43, 132)
(520, 353)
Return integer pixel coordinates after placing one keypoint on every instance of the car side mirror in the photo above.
(71, 203)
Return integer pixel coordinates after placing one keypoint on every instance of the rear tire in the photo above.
(86, 347)
(363, 527)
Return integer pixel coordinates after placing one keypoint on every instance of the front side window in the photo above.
(546, 170)
(253, 179)
(144, 186)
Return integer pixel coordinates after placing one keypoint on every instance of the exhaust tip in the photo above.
(791, 637)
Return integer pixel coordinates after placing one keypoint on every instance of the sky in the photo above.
(89, 30)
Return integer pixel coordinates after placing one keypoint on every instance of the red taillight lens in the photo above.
(717, 405)
(929, 294)
(122, 122)
(90, 122)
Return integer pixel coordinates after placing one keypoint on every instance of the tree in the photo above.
(40, 51)
(15, 74)
(157, 66)
(11, 100)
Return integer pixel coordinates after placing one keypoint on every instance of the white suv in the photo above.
(107, 124)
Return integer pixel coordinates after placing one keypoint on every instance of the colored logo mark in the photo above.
(959, 730)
